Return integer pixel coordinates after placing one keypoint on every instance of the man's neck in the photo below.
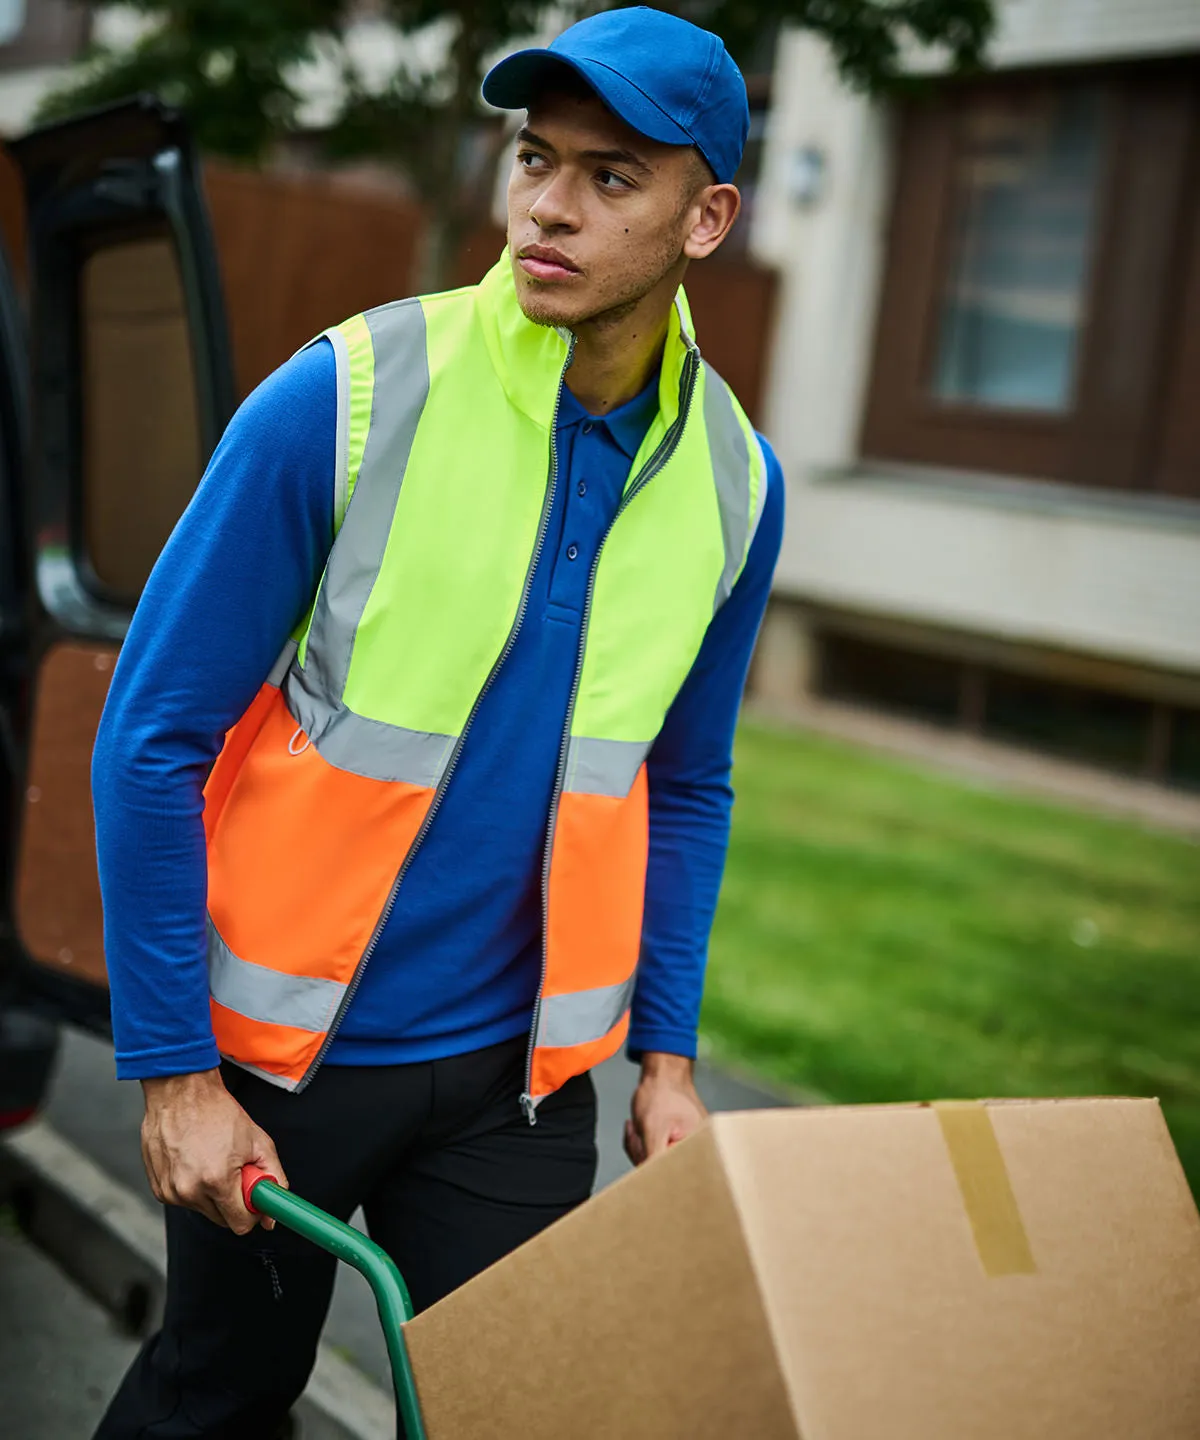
(616, 354)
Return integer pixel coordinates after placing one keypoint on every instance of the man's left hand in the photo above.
(665, 1108)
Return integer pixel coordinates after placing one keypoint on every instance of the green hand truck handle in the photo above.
(263, 1195)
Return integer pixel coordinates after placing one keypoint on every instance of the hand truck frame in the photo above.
(263, 1195)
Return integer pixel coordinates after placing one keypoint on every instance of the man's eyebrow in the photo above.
(525, 136)
(618, 156)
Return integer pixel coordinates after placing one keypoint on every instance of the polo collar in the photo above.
(627, 424)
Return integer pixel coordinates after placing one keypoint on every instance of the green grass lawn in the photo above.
(888, 934)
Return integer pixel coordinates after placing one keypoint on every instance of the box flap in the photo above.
(637, 1316)
(903, 1305)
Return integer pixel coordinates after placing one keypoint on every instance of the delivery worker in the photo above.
(412, 790)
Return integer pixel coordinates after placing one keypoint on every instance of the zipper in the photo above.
(443, 783)
(662, 454)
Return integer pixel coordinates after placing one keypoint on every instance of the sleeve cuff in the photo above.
(666, 1042)
(173, 1060)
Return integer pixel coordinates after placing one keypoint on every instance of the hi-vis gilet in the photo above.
(326, 786)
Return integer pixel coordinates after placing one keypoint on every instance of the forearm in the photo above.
(691, 803)
(689, 836)
(688, 830)
(150, 845)
(240, 568)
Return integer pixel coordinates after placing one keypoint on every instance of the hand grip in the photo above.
(251, 1175)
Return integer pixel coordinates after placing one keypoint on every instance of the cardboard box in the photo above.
(995, 1271)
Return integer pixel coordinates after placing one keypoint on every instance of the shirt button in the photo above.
(588, 427)
(582, 487)
(572, 552)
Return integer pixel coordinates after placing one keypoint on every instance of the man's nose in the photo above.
(555, 207)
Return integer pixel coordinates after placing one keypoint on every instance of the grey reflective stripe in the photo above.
(603, 767)
(366, 747)
(259, 993)
(283, 664)
(401, 388)
(341, 457)
(760, 500)
(684, 333)
(583, 1015)
(731, 475)
(341, 443)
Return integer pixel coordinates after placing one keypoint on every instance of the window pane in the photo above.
(887, 676)
(1024, 218)
(141, 442)
(1091, 725)
(12, 19)
(1185, 749)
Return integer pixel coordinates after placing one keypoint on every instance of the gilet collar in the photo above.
(529, 358)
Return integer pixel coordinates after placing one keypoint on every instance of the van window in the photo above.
(140, 441)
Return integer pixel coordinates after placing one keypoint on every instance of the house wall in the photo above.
(1042, 32)
(1047, 565)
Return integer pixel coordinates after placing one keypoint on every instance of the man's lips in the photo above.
(546, 264)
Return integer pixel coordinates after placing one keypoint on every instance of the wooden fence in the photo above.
(298, 253)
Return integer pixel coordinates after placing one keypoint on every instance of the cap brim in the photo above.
(518, 80)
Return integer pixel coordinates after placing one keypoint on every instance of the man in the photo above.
(472, 583)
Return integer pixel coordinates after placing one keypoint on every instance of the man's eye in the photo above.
(610, 180)
(530, 159)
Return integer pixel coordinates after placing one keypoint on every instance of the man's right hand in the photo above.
(195, 1140)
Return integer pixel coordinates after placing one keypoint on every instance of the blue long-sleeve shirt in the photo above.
(457, 964)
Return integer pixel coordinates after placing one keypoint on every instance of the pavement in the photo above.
(60, 1354)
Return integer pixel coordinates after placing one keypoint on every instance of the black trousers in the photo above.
(450, 1176)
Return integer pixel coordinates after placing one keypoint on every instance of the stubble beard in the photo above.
(537, 309)
(610, 310)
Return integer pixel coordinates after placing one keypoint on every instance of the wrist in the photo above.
(168, 1089)
(659, 1065)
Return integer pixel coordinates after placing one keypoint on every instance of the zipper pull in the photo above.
(529, 1108)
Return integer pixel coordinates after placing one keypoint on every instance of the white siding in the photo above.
(1100, 583)
(829, 256)
(1042, 32)
(22, 91)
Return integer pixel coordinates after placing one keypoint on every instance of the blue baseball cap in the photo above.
(666, 78)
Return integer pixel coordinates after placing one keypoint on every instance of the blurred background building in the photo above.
(968, 317)
(984, 385)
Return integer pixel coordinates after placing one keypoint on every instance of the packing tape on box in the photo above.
(987, 1191)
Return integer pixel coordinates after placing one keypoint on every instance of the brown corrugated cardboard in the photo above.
(1016, 1270)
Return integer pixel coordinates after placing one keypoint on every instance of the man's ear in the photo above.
(715, 209)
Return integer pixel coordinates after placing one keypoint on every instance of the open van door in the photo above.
(130, 388)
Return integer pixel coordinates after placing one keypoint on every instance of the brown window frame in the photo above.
(1133, 423)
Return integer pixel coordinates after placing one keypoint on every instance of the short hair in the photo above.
(701, 172)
